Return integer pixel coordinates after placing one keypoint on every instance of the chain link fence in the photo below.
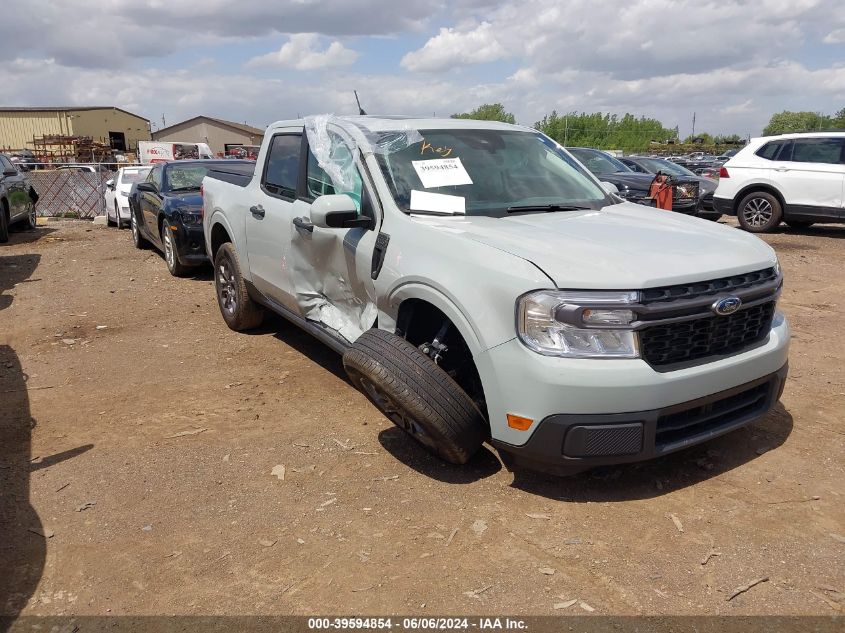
(72, 192)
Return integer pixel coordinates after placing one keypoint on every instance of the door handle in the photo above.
(304, 224)
(781, 168)
(257, 211)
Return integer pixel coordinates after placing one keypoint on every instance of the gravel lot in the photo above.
(140, 438)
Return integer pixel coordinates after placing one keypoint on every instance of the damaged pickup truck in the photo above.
(482, 285)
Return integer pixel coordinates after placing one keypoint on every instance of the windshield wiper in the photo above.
(192, 188)
(547, 207)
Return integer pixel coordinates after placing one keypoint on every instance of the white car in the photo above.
(795, 178)
(117, 194)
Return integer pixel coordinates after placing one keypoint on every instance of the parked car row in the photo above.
(484, 284)
(632, 176)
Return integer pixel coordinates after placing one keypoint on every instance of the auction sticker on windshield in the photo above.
(441, 172)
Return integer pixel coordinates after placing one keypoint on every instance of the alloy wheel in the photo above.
(227, 287)
(758, 212)
(133, 223)
(169, 254)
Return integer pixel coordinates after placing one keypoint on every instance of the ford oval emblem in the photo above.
(726, 305)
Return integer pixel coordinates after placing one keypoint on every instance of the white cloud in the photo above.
(300, 52)
(451, 48)
(835, 37)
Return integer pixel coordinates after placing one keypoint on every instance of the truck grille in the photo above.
(709, 336)
(677, 323)
(716, 286)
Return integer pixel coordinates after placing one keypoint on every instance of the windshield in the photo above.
(487, 172)
(655, 165)
(181, 177)
(134, 175)
(598, 162)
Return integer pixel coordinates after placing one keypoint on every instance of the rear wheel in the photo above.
(416, 395)
(799, 224)
(118, 222)
(109, 221)
(31, 218)
(759, 212)
(238, 309)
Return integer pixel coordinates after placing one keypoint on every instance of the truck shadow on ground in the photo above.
(304, 343)
(406, 450)
(663, 475)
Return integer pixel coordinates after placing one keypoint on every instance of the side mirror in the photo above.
(110, 183)
(609, 187)
(10, 172)
(146, 187)
(337, 211)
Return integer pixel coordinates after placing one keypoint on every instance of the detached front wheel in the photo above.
(416, 395)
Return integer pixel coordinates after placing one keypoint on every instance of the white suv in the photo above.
(796, 178)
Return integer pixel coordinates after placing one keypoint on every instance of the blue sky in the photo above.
(734, 63)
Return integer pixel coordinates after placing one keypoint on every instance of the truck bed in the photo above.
(237, 173)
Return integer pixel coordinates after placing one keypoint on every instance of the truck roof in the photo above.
(392, 122)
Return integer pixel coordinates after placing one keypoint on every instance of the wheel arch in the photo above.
(419, 320)
(752, 188)
(218, 236)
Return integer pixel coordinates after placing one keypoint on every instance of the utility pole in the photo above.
(693, 127)
(565, 129)
(163, 122)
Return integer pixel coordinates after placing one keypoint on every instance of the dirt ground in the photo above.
(140, 438)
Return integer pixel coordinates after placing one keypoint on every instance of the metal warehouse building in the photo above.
(219, 134)
(109, 125)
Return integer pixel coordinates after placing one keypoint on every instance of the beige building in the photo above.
(220, 135)
(112, 126)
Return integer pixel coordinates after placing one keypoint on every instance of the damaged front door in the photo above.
(331, 267)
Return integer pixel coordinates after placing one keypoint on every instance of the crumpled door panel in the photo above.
(326, 283)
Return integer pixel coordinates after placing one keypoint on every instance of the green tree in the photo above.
(838, 120)
(488, 112)
(786, 121)
(700, 139)
(604, 131)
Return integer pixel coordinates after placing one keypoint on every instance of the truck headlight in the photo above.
(549, 320)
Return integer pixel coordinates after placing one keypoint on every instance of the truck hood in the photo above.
(621, 247)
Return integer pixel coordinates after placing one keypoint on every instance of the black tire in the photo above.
(32, 217)
(138, 240)
(117, 221)
(416, 395)
(109, 221)
(238, 309)
(4, 223)
(171, 258)
(759, 212)
(799, 224)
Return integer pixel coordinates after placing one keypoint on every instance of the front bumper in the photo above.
(567, 444)
(189, 241)
(521, 382)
